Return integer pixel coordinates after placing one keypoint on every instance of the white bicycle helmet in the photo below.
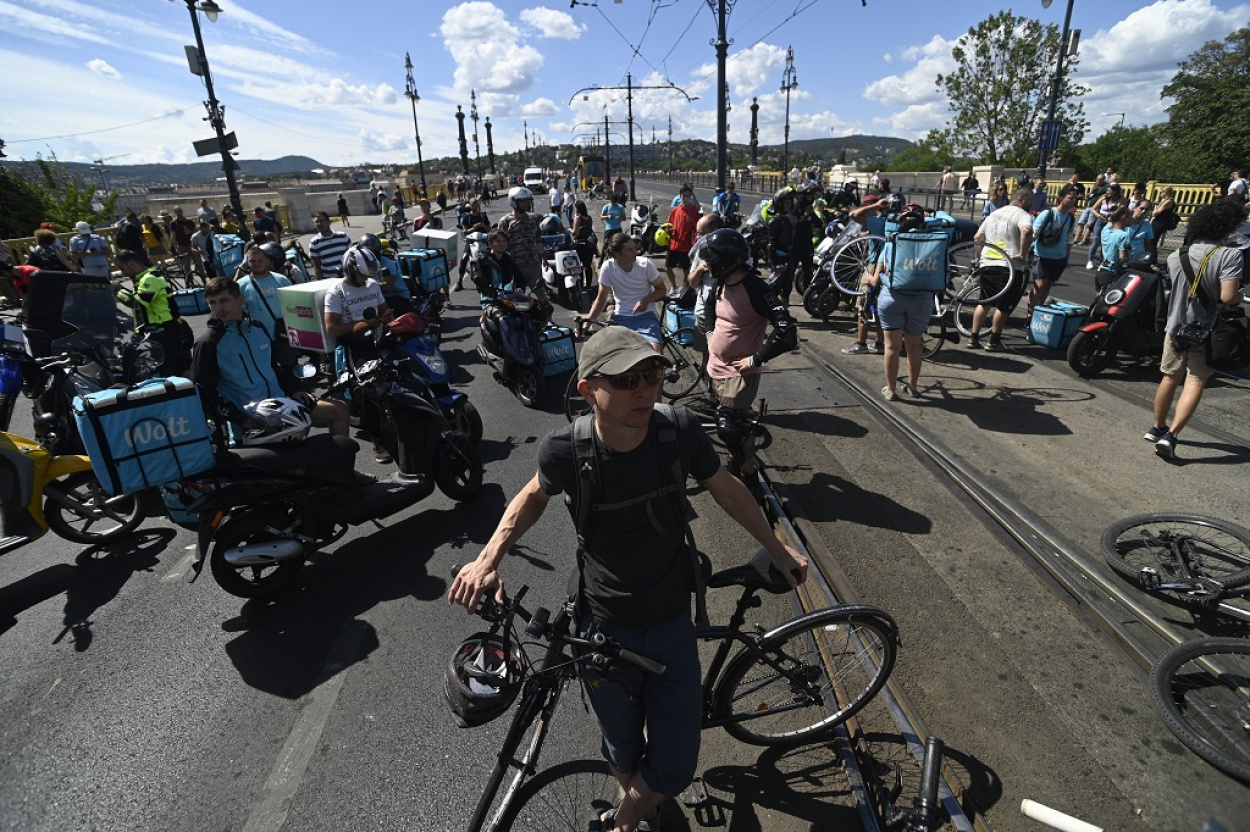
(281, 420)
(360, 261)
(519, 194)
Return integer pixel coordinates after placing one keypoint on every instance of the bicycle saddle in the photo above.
(758, 574)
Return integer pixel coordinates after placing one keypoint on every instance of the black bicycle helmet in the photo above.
(809, 190)
(479, 684)
(724, 251)
(277, 254)
(372, 242)
(784, 193)
(911, 218)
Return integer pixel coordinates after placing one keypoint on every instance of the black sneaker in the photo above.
(994, 345)
(1166, 446)
(1155, 434)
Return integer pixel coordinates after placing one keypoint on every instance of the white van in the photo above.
(534, 180)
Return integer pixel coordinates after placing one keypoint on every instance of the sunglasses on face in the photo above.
(629, 381)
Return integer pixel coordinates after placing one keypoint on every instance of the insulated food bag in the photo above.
(559, 355)
(149, 434)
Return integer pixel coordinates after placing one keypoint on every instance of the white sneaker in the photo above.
(1089, 265)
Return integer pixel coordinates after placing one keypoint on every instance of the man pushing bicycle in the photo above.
(623, 470)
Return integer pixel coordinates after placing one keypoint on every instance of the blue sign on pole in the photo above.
(1051, 129)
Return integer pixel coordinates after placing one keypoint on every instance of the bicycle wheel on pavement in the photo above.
(855, 261)
(563, 798)
(1212, 548)
(1202, 689)
(965, 264)
(816, 672)
(687, 370)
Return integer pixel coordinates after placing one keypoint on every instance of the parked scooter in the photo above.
(643, 224)
(1127, 318)
(265, 508)
(427, 367)
(510, 326)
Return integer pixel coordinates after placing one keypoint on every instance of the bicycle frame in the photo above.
(1200, 589)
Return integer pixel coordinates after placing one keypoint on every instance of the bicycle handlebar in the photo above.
(602, 648)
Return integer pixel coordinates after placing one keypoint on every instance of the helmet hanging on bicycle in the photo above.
(280, 420)
(482, 679)
(724, 251)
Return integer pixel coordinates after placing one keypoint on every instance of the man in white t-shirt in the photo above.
(354, 305)
(1010, 228)
(557, 198)
(1238, 186)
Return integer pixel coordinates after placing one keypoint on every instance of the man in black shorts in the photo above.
(683, 219)
(635, 562)
(1010, 228)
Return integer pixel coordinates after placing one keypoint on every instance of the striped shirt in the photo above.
(329, 252)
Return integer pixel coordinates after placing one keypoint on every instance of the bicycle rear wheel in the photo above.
(965, 263)
(855, 261)
(815, 673)
(1212, 548)
(574, 403)
(563, 798)
(687, 370)
(1202, 689)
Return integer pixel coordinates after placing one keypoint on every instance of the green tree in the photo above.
(1138, 153)
(62, 199)
(927, 154)
(1206, 130)
(999, 92)
(21, 205)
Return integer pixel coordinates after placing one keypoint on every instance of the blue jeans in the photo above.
(627, 699)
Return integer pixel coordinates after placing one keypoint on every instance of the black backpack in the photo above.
(44, 257)
(1052, 232)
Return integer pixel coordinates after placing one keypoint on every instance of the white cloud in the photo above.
(372, 141)
(914, 122)
(751, 69)
(488, 49)
(919, 83)
(552, 24)
(102, 68)
(540, 107)
(263, 29)
(315, 95)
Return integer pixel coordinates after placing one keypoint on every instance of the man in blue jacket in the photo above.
(233, 365)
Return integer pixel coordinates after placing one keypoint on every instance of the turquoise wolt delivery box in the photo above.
(149, 434)
(559, 354)
(1056, 324)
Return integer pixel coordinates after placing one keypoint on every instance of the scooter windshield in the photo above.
(89, 313)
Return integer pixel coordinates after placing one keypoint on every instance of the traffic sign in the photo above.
(207, 147)
(1051, 130)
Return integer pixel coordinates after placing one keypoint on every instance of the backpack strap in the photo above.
(1195, 287)
(666, 420)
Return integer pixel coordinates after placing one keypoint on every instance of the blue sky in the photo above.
(326, 79)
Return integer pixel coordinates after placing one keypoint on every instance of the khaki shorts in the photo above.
(1177, 361)
(737, 392)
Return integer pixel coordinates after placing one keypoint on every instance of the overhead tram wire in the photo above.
(802, 7)
(104, 129)
(699, 6)
(296, 132)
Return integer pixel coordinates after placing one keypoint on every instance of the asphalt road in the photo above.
(134, 701)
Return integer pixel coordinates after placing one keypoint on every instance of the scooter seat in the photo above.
(316, 452)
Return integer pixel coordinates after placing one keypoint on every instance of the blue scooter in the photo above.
(431, 370)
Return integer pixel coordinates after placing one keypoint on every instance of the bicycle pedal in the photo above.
(696, 794)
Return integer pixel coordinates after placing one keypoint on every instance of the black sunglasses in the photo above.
(653, 375)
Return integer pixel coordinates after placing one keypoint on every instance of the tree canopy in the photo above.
(1206, 131)
(1000, 89)
(44, 191)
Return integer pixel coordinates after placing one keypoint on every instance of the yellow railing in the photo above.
(19, 249)
(1189, 198)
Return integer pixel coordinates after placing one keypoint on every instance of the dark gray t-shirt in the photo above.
(635, 572)
(1225, 264)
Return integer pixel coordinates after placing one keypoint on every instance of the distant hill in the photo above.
(193, 173)
(856, 147)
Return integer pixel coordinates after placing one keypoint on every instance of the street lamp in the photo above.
(216, 112)
(789, 81)
(477, 150)
(1119, 126)
(410, 90)
(1055, 87)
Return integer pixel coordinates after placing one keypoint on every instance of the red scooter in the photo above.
(1127, 318)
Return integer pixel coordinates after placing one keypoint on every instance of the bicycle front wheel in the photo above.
(687, 370)
(811, 675)
(854, 262)
(563, 798)
(1202, 689)
(1211, 548)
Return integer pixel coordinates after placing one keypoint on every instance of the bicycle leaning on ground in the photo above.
(790, 685)
(1201, 687)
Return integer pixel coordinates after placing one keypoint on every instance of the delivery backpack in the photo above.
(586, 457)
(918, 262)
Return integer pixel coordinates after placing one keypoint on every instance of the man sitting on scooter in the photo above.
(233, 364)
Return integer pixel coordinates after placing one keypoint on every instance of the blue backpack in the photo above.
(918, 262)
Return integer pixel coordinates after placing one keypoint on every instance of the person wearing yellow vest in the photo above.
(154, 311)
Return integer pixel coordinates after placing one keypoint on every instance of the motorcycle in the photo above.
(264, 509)
(563, 271)
(1127, 317)
(427, 367)
(510, 326)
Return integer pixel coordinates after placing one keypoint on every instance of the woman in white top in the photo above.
(635, 284)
